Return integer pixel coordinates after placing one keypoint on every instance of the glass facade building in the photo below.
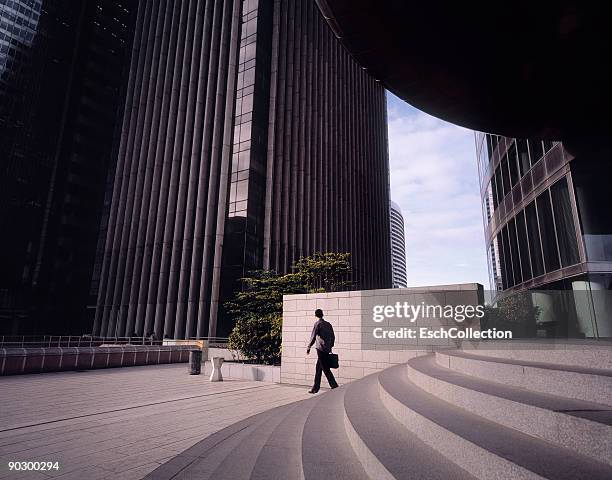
(548, 228)
(398, 247)
(250, 138)
(60, 86)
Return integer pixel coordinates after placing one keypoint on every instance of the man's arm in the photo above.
(313, 337)
(333, 338)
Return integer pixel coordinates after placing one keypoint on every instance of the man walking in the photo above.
(322, 338)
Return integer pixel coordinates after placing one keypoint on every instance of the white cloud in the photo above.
(434, 179)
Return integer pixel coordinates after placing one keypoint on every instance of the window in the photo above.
(512, 162)
(493, 186)
(488, 202)
(502, 260)
(516, 262)
(523, 156)
(507, 257)
(548, 145)
(484, 155)
(242, 189)
(489, 144)
(566, 233)
(494, 143)
(523, 246)
(500, 185)
(247, 103)
(247, 53)
(536, 151)
(243, 160)
(495, 254)
(547, 232)
(249, 77)
(506, 174)
(245, 132)
(533, 237)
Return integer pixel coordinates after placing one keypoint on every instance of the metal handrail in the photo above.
(48, 341)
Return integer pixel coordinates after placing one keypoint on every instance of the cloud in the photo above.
(434, 179)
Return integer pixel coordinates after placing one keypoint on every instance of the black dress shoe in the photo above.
(335, 386)
(312, 390)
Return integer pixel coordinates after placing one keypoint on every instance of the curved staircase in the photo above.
(451, 415)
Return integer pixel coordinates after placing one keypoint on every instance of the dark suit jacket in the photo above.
(322, 336)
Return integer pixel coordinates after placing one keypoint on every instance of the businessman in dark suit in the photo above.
(322, 338)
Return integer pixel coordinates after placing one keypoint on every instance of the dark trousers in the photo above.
(323, 367)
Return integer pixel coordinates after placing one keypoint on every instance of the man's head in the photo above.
(319, 313)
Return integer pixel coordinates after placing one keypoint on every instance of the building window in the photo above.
(523, 156)
(536, 151)
(502, 259)
(506, 174)
(516, 255)
(521, 233)
(533, 235)
(509, 276)
(501, 191)
(513, 164)
(566, 232)
(547, 232)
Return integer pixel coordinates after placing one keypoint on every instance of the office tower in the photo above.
(398, 247)
(548, 227)
(60, 78)
(250, 138)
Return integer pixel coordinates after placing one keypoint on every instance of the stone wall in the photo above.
(345, 311)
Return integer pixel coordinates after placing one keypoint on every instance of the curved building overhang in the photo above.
(519, 69)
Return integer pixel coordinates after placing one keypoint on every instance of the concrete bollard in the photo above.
(195, 362)
(215, 375)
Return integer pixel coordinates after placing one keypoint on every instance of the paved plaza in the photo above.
(120, 423)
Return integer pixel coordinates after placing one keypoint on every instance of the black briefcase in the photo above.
(333, 360)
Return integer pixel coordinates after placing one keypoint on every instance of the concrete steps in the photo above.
(484, 448)
(326, 449)
(588, 384)
(281, 455)
(386, 449)
(582, 426)
(202, 459)
(453, 415)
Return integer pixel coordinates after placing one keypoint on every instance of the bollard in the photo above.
(195, 362)
(215, 375)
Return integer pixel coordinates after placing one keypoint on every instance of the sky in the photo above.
(434, 179)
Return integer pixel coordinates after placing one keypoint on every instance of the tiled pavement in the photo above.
(120, 423)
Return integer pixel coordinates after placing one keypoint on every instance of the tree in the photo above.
(257, 309)
(262, 293)
(324, 272)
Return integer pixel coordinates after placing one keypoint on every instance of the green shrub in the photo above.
(258, 337)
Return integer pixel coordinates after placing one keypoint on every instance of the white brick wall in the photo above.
(344, 311)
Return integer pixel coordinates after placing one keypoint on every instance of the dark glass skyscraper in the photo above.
(548, 227)
(250, 138)
(60, 85)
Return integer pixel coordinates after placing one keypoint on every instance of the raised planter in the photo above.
(246, 371)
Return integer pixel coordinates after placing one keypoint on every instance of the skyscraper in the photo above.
(548, 227)
(250, 138)
(398, 247)
(60, 85)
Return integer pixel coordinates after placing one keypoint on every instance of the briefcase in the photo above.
(333, 360)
